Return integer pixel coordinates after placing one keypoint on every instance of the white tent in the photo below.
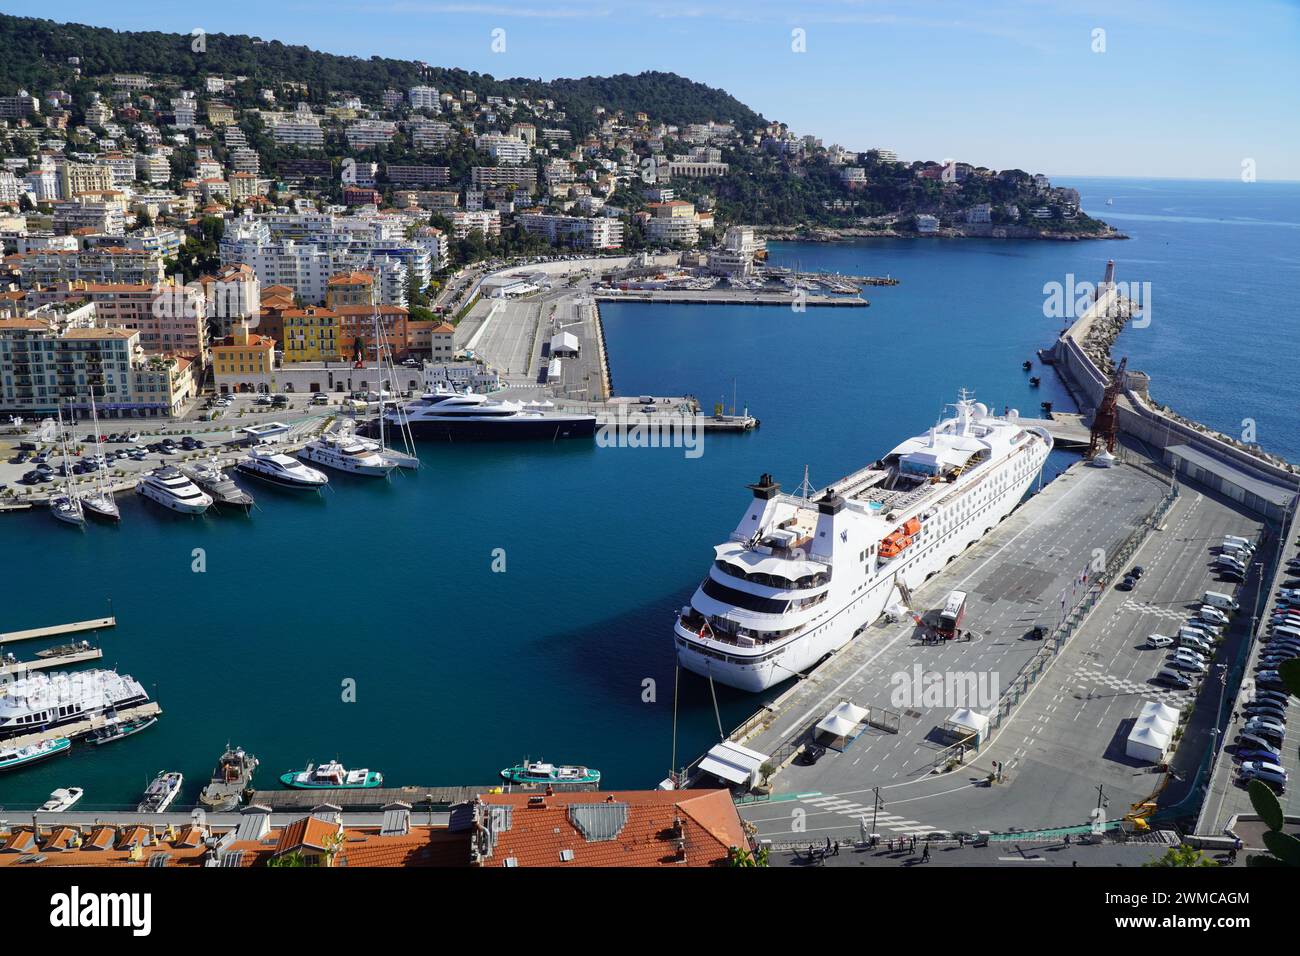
(1152, 733)
(733, 763)
(841, 723)
(965, 722)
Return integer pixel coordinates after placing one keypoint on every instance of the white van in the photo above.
(1195, 642)
(1285, 630)
(1236, 541)
(1220, 600)
(1212, 614)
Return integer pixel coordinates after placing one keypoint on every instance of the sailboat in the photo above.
(100, 503)
(67, 506)
(407, 458)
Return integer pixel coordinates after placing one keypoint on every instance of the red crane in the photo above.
(1105, 421)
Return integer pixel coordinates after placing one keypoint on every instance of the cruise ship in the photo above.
(466, 416)
(41, 701)
(802, 574)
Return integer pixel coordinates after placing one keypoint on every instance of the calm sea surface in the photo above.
(460, 671)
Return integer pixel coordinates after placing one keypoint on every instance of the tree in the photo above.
(1182, 855)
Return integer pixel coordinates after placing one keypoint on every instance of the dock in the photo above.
(420, 798)
(41, 663)
(83, 727)
(730, 297)
(56, 630)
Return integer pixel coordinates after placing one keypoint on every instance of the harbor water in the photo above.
(518, 600)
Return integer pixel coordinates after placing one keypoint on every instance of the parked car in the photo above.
(1169, 677)
(1257, 753)
(1267, 771)
(1127, 584)
(811, 753)
(1186, 664)
(1212, 614)
(1254, 742)
(1265, 727)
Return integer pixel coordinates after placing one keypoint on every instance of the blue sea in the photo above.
(566, 654)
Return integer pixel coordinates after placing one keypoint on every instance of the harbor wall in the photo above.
(1139, 417)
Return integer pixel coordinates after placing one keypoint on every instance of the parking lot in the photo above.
(1226, 797)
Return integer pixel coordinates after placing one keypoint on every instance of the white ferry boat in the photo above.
(171, 489)
(40, 701)
(802, 574)
(465, 416)
(281, 470)
(347, 453)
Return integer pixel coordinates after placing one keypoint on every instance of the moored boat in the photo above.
(281, 470)
(171, 489)
(331, 776)
(231, 779)
(62, 799)
(117, 729)
(219, 486)
(15, 758)
(540, 772)
(162, 793)
(348, 454)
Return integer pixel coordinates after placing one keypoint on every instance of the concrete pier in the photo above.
(55, 630)
(44, 663)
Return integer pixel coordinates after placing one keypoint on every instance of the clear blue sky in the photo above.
(1183, 89)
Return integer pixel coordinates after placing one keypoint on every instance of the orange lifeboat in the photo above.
(895, 544)
(911, 526)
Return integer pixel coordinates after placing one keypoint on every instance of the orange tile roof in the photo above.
(352, 278)
(102, 838)
(310, 832)
(709, 827)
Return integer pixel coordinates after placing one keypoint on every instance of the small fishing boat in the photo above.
(230, 780)
(162, 793)
(62, 799)
(15, 758)
(331, 776)
(538, 771)
(117, 729)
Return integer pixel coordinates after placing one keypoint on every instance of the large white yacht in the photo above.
(171, 489)
(466, 416)
(39, 701)
(281, 470)
(357, 456)
(802, 574)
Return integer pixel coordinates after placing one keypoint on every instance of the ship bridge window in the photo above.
(743, 599)
(773, 580)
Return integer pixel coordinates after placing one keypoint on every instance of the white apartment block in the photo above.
(366, 133)
(423, 98)
(430, 134)
(577, 231)
(486, 221)
(504, 149)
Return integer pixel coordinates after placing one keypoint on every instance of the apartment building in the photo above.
(109, 264)
(423, 98)
(366, 133)
(244, 362)
(673, 221)
(418, 175)
(519, 176)
(311, 334)
(577, 231)
(430, 134)
(43, 367)
(486, 221)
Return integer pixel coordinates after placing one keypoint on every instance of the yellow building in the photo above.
(244, 362)
(311, 334)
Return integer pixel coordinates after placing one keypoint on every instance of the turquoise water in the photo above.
(461, 671)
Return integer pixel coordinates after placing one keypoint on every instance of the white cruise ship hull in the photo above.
(755, 666)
